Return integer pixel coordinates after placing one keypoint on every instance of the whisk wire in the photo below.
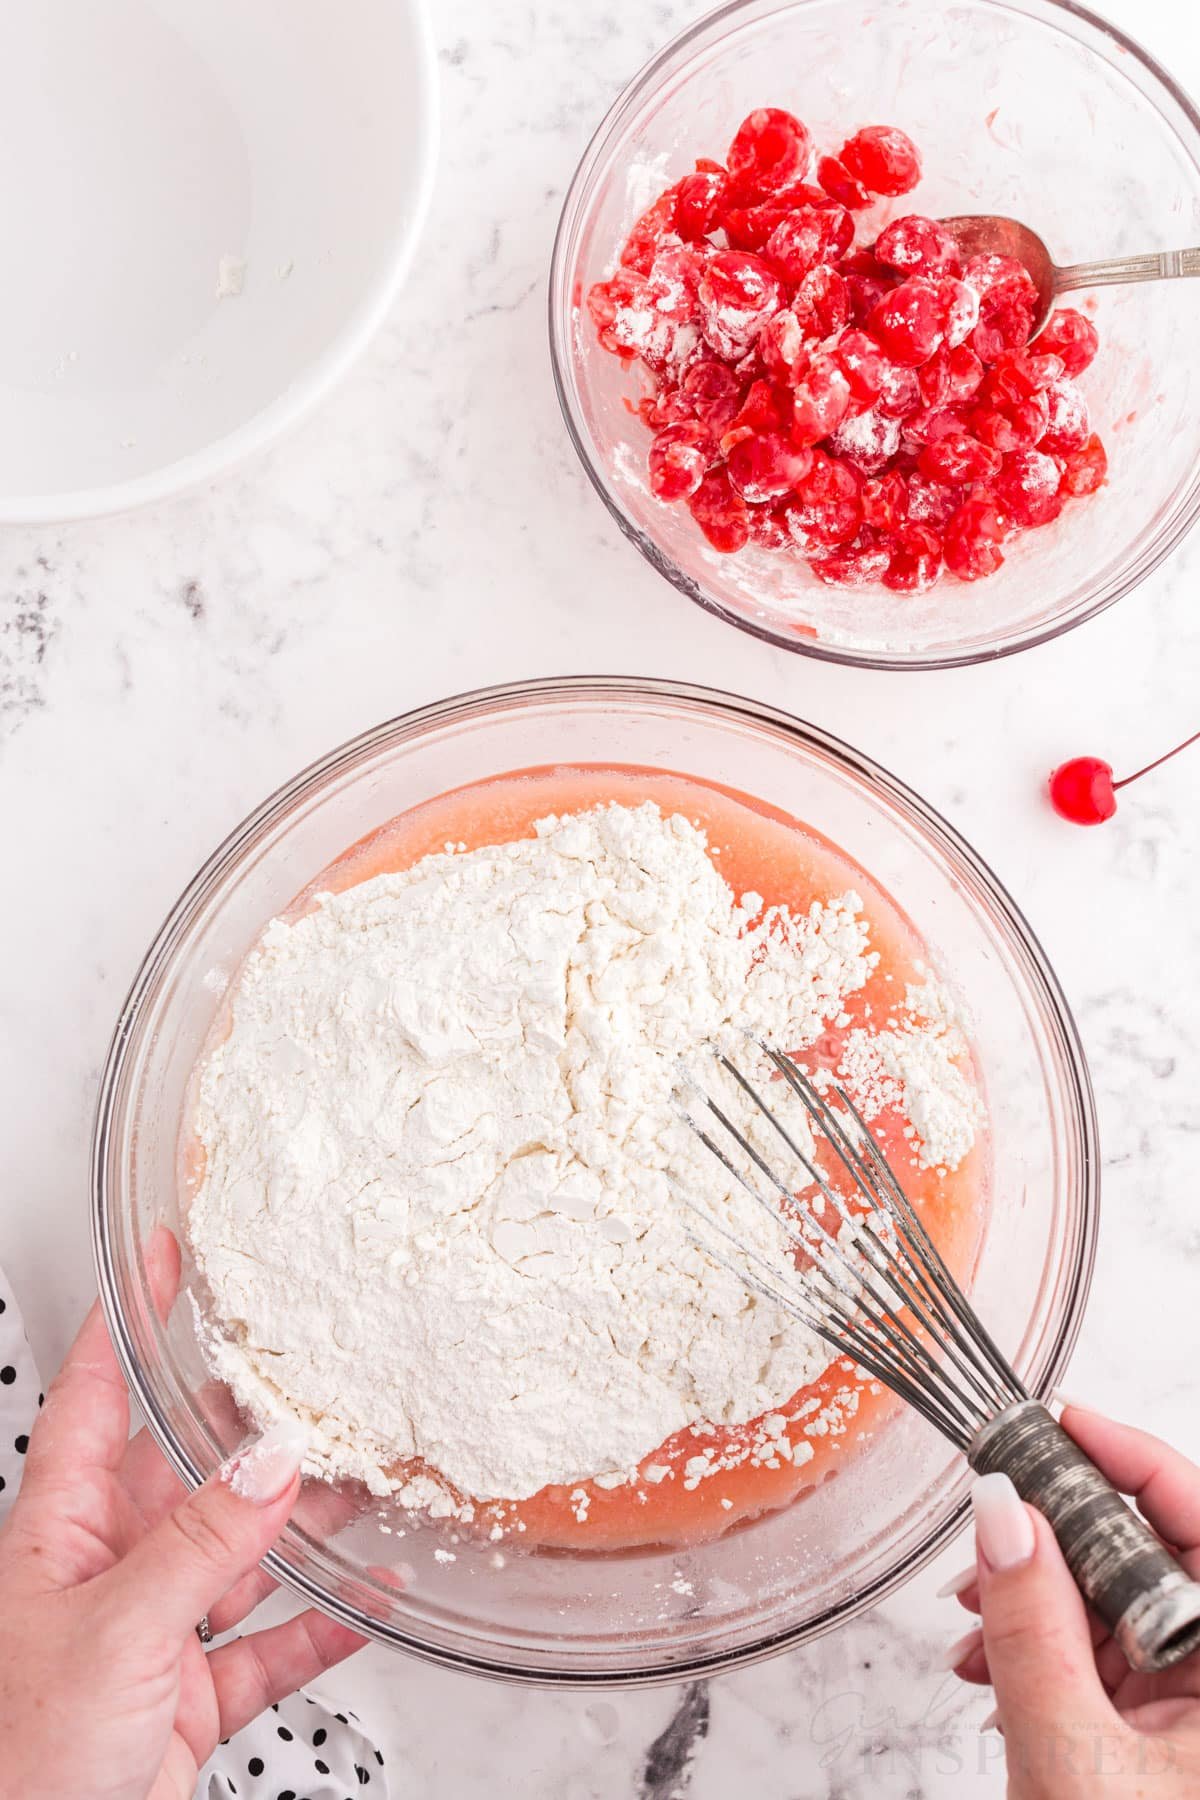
(877, 1290)
(976, 1332)
(811, 1168)
(873, 1335)
(882, 1315)
(895, 1264)
(921, 1257)
(846, 1339)
(766, 1283)
(886, 1298)
(909, 1351)
(909, 1278)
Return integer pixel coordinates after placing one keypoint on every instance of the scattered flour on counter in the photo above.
(439, 1213)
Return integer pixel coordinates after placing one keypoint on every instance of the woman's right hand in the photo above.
(1078, 1723)
(106, 1568)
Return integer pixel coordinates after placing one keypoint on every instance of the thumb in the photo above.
(180, 1569)
(1036, 1634)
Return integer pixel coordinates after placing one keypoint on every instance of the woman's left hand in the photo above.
(106, 1567)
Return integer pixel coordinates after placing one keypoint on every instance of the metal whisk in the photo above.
(875, 1287)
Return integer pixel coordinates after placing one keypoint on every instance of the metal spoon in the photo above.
(983, 233)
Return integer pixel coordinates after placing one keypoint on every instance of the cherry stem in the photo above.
(1125, 781)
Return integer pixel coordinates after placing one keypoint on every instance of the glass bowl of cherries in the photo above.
(798, 393)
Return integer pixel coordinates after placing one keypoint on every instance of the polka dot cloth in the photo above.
(20, 1395)
(301, 1749)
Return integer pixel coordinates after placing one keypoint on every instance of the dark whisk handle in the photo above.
(1150, 1604)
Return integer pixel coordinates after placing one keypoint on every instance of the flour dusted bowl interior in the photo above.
(1031, 108)
(620, 1616)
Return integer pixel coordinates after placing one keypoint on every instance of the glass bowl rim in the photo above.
(464, 707)
(560, 281)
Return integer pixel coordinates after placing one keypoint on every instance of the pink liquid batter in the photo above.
(754, 847)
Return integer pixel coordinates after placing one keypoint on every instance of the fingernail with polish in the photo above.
(260, 1472)
(961, 1650)
(1062, 1399)
(1003, 1527)
(958, 1584)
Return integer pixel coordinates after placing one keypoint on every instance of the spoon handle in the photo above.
(1163, 266)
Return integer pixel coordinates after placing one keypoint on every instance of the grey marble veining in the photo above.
(430, 530)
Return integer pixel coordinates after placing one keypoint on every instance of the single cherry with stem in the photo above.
(1084, 791)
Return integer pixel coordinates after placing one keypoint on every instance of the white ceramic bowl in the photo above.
(159, 151)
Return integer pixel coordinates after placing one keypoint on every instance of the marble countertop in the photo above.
(160, 673)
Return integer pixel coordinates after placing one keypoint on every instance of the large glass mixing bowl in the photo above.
(612, 1617)
(1035, 108)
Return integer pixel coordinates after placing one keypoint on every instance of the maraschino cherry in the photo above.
(1083, 790)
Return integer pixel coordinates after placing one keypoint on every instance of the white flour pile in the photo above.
(439, 1217)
